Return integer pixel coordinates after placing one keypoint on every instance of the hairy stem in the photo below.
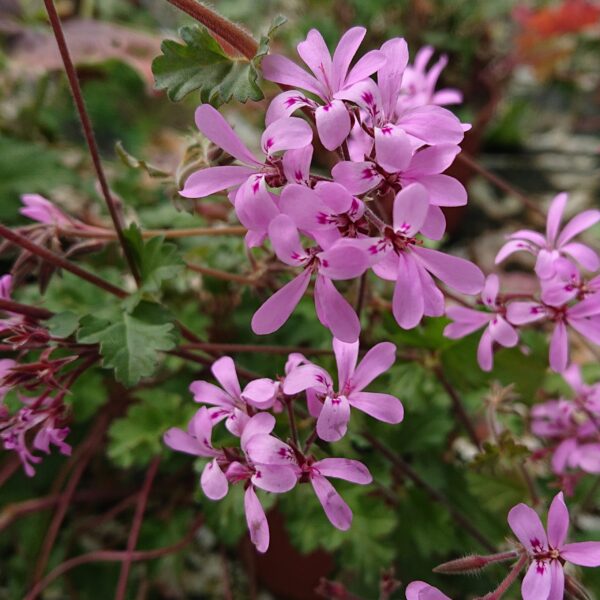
(508, 580)
(88, 133)
(221, 274)
(99, 234)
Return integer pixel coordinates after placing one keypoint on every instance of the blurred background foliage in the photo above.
(530, 74)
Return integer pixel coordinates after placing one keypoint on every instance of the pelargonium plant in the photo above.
(345, 203)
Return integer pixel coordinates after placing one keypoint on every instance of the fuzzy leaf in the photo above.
(130, 343)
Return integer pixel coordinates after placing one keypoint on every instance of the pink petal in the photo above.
(296, 164)
(393, 149)
(466, 321)
(485, 354)
(419, 590)
(447, 96)
(344, 468)
(389, 76)
(207, 393)
(346, 259)
(337, 511)
(212, 125)
(530, 236)
(545, 265)
(365, 67)
(583, 254)
(558, 522)
(344, 53)
(256, 519)
(265, 449)
(455, 272)
(213, 481)
(562, 455)
(490, 290)
(307, 376)
(260, 393)
(520, 313)
(511, 247)
(277, 309)
(254, 204)
(557, 575)
(201, 428)
(334, 311)
(335, 196)
(433, 299)
(314, 52)
(410, 209)
(262, 423)
(304, 206)
(383, 407)
(333, 124)
(559, 348)
(280, 69)
(528, 528)
(579, 223)
(180, 441)
(289, 133)
(432, 124)
(503, 333)
(214, 179)
(435, 223)
(589, 307)
(407, 302)
(286, 240)
(345, 357)
(356, 177)
(444, 190)
(433, 160)
(555, 214)
(285, 104)
(585, 554)
(276, 479)
(537, 582)
(332, 423)
(365, 94)
(375, 362)
(224, 371)
(588, 328)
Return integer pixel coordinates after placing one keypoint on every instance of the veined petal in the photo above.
(260, 393)
(332, 423)
(528, 528)
(579, 223)
(585, 554)
(261, 423)
(256, 520)
(286, 240)
(557, 575)
(433, 299)
(208, 181)
(393, 150)
(307, 376)
(208, 393)
(224, 371)
(433, 160)
(559, 348)
(537, 581)
(179, 440)
(284, 104)
(502, 332)
(337, 511)
(333, 124)
(558, 522)
(432, 124)
(356, 177)
(296, 164)
(410, 209)
(213, 481)
(263, 449)
(344, 53)
(344, 468)
(335, 196)
(365, 67)
(281, 69)
(407, 302)
(276, 479)
(444, 190)
(305, 207)
(375, 362)
(345, 357)
(334, 311)
(435, 223)
(555, 214)
(213, 125)
(383, 407)
(458, 273)
(277, 309)
(466, 321)
(314, 52)
(365, 94)
(254, 204)
(288, 133)
(520, 313)
(389, 75)
(345, 259)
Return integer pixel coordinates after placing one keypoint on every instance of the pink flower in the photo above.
(255, 206)
(418, 84)
(39, 209)
(342, 260)
(583, 316)
(419, 590)
(497, 329)
(545, 577)
(333, 408)
(231, 403)
(268, 450)
(6, 364)
(330, 75)
(556, 247)
(399, 257)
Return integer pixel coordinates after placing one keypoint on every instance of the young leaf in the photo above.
(63, 324)
(156, 259)
(135, 163)
(130, 343)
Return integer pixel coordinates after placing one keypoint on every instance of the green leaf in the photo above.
(156, 259)
(201, 64)
(130, 343)
(63, 324)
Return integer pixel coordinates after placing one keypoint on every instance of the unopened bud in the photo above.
(474, 562)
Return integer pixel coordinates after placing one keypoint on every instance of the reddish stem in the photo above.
(26, 310)
(507, 581)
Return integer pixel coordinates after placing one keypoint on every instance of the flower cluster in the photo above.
(571, 426)
(392, 142)
(567, 272)
(545, 550)
(262, 460)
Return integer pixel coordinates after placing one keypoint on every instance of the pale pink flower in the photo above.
(38, 208)
(268, 450)
(342, 260)
(556, 246)
(399, 257)
(330, 75)
(419, 590)
(230, 402)
(332, 408)
(583, 316)
(497, 329)
(545, 577)
(254, 204)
